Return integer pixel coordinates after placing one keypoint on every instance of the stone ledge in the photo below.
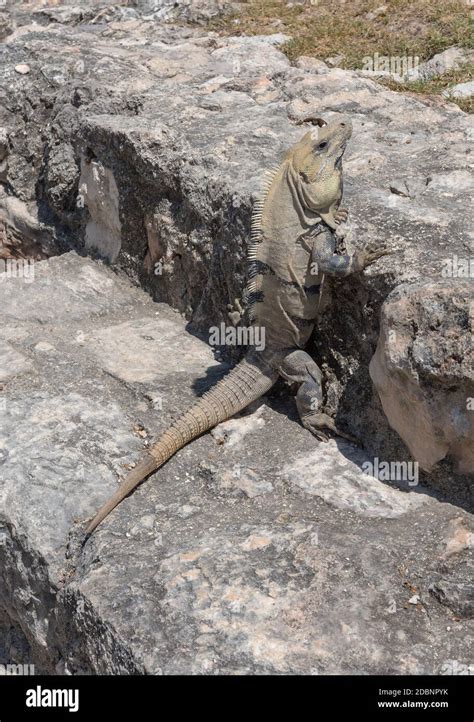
(259, 551)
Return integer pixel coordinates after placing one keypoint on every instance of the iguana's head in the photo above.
(316, 162)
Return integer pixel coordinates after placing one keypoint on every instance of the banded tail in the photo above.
(246, 382)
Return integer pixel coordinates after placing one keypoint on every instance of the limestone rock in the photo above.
(263, 572)
(423, 370)
(152, 160)
(313, 64)
(349, 487)
(12, 363)
(461, 90)
(6, 25)
(22, 69)
(441, 63)
(143, 140)
(458, 596)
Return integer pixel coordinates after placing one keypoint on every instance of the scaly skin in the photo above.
(249, 380)
(291, 250)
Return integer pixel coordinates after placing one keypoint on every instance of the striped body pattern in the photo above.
(292, 226)
(283, 292)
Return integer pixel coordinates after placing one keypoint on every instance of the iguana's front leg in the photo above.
(298, 367)
(340, 216)
(327, 261)
(334, 217)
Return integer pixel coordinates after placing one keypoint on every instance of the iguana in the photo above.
(292, 247)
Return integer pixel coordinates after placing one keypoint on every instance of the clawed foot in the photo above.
(317, 422)
(371, 253)
(235, 312)
(340, 216)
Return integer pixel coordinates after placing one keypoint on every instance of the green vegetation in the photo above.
(354, 29)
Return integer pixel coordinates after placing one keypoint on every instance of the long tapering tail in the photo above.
(245, 383)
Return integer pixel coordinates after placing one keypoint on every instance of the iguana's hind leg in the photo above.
(299, 368)
(235, 312)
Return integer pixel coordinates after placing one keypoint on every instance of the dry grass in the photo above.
(436, 85)
(345, 28)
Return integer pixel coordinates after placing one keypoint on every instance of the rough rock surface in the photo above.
(261, 552)
(451, 59)
(144, 144)
(461, 90)
(424, 370)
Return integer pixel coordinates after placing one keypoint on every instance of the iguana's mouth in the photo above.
(340, 152)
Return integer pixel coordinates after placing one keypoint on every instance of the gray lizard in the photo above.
(291, 249)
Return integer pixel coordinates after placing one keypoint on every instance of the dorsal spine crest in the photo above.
(251, 293)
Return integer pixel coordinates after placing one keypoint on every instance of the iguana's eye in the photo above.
(323, 144)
